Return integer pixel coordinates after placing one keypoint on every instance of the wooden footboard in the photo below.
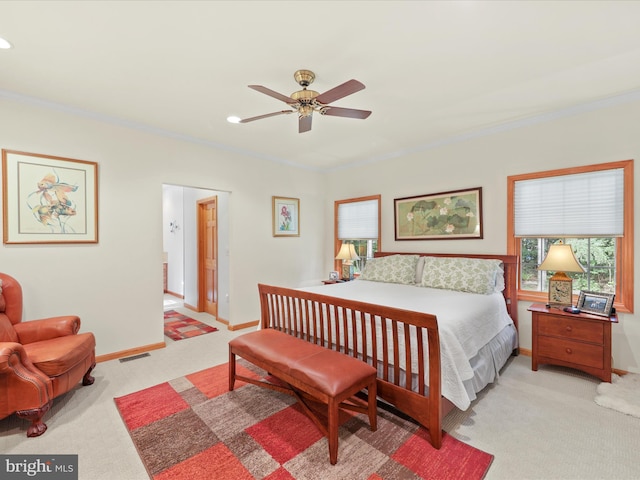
(393, 340)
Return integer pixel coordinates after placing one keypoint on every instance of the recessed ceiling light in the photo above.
(4, 43)
(233, 119)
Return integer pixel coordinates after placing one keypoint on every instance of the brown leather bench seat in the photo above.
(325, 375)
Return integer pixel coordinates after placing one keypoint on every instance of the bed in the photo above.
(438, 327)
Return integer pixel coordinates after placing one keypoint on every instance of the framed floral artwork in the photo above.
(48, 199)
(439, 216)
(286, 216)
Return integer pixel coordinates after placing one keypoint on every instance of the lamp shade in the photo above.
(347, 253)
(560, 258)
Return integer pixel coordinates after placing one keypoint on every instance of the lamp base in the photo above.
(560, 290)
(347, 272)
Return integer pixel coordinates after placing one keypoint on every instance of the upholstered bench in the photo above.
(322, 374)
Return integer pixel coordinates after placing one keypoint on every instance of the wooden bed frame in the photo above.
(321, 319)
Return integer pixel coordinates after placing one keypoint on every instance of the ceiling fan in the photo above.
(305, 102)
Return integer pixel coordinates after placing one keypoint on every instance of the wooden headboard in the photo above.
(510, 264)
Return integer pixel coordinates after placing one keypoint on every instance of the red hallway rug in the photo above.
(178, 326)
(194, 428)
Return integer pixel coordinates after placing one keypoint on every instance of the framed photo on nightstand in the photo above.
(333, 275)
(596, 303)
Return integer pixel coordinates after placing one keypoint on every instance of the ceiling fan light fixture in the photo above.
(4, 44)
(305, 111)
(233, 119)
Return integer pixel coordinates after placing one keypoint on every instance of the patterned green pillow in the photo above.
(473, 275)
(391, 269)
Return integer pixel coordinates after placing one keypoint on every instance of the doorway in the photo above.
(181, 242)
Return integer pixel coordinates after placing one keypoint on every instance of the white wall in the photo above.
(173, 241)
(223, 255)
(599, 136)
(116, 285)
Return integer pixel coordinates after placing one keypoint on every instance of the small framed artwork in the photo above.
(333, 275)
(596, 303)
(439, 216)
(286, 217)
(48, 199)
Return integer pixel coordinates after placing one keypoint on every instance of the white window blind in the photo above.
(579, 205)
(358, 220)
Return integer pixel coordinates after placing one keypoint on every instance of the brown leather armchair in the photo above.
(39, 359)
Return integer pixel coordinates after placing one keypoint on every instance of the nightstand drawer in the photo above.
(571, 352)
(569, 328)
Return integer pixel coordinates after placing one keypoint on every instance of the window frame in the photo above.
(337, 243)
(624, 245)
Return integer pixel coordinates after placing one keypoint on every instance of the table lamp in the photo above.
(560, 259)
(347, 254)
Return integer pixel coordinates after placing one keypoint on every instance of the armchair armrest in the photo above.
(47, 328)
(13, 358)
(26, 386)
(12, 353)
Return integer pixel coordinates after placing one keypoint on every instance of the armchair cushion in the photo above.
(57, 356)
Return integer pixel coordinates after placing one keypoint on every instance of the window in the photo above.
(596, 254)
(590, 208)
(357, 221)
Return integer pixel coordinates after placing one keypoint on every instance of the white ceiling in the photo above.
(434, 71)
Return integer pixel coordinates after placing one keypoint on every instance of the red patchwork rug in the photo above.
(178, 326)
(194, 428)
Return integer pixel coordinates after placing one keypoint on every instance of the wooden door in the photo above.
(208, 255)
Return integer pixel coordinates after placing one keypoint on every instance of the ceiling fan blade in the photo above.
(345, 112)
(271, 93)
(336, 93)
(304, 124)
(260, 117)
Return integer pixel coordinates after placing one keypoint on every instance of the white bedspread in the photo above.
(466, 322)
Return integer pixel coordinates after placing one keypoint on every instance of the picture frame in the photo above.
(334, 275)
(286, 216)
(48, 199)
(596, 303)
(451, 215)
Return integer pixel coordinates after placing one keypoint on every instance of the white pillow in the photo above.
(473, 275)
(391, 269)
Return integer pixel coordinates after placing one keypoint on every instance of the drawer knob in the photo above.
(569, 351)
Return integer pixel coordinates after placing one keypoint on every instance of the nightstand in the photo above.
(581, 341)
(329, 282)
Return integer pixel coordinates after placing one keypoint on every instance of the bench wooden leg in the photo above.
(332, 436)
(232, 370)
(371, 400)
